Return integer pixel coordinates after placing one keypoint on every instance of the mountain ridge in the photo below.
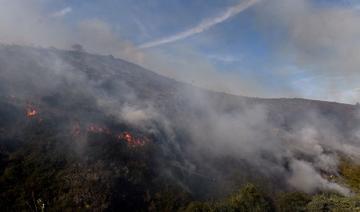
(154, 73)
(83, 131)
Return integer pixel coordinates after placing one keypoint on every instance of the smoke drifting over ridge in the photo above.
(303, 152)
(329, 75)
(99, 36)
(301, 145)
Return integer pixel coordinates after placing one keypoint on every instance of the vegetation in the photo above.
(43, 168)
(56, 162)
(350, 171)
(333, 202)
(38, 177)
(292, 201)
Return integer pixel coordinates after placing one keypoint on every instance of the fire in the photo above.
(131, 140)
(98, 129)
(31, 111)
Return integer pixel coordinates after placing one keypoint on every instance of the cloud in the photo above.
(62, 13)
(321, 40)
(203, 26)
(224, 58)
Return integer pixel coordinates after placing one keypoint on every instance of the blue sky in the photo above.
(232, 46)
(268, 48)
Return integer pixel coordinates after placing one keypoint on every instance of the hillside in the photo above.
(83, 131)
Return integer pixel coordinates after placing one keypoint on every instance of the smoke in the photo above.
(203, 26)
(194, 127)
(198, 126)
(322, 41)
(136, 116)
(306, 178)
(311, 146)
(97, 36)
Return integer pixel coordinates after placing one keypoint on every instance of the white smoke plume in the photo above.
(244, 134)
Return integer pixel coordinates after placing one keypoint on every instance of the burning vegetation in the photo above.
(31, 111)
(130, 139)
(41, 165)
(79, 129)
(98, 129)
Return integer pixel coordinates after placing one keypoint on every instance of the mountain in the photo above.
(88, 132)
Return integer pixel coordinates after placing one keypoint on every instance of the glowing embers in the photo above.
(31, 111)
(127, 137)
(98, 129)
(131, 140)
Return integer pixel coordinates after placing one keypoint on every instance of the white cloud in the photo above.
(203, 26)
(224, 58)
(62, 12)
(323, 41)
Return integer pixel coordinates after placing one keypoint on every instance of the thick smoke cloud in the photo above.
(303, 154)
(306, 178)
(311, 148)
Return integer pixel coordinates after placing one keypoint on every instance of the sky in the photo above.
(263, 48)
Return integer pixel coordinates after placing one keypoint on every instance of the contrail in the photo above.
(62, 12)
(203, 26)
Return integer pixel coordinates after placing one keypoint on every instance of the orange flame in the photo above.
(131, 140)
(31, 112)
